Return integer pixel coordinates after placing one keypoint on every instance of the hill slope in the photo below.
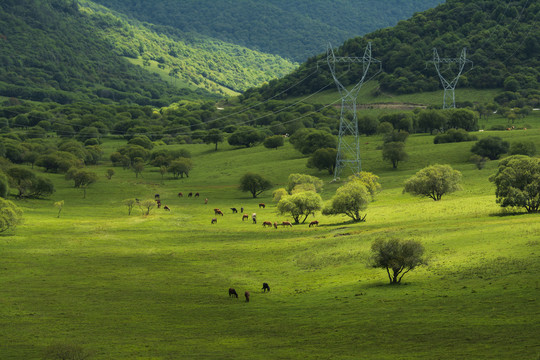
(293, 29)
(60, 51)
(501, 40)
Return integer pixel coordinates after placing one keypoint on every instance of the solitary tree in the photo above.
(300, 204)
(147, 205)
(398, 257)
(394, 152)
(82, 179)
(213, 136)
(517, 183)
(59, 205)
(370, 181)
(130, 203)
(273, 142)
(491, 147)
(323, 159)
(434, 181)
(109, 173)
(254, 183)
(10, 215)
(180, 166)
(350, 200)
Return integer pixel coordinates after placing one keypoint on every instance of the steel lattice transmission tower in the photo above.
(348, 152)
(450, 86)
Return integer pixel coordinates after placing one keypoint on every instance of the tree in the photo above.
(4, 185)
(109, 173)
(254, 183)
(273, 142)
(491, 147)
(295, 180)
(434, 181)
(147, 205)
(517, 183)
(60, 206)
(213, 136)
(179, 167)
(323, 159)
(370, 181)
(399, 256)
(522, 148)
(300, 204)
(350, 199)
(21, 179)
(82, 179)
(10, 215)
(307, 141)
(130, 203)
(246, 136)
(138, 167)
(394, 152)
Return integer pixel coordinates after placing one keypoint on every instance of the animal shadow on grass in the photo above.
(508, 212)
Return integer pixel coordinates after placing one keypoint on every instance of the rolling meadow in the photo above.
(119, 286)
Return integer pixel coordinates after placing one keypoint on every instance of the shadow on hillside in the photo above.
(504, 213)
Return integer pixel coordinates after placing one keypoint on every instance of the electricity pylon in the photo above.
(450, 86)
(348, 152)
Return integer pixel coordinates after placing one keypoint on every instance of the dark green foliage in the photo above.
(323, 159)
(397, 256)
(29, 184)
(293, 29)
(143, 141)
(254, 183)
(368, 125)
(307, 141)
(4, 185)
(394, 152)
(246, 136)
(81, 178)
(395, 136)
(214, 136)
(180, 167)
(462, 119)
(273, 142)
(454, 135)
(491, 147)
(10, 215)
(522, 148)
(517, 183)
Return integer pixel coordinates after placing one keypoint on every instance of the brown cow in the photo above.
(166, 208)
(267, 223)
(246, 294)
(214, 220)
(206, 201)
(218, 212)
(261, 205)
(232, 292)
(180, 194)
(275, 224)
(286, 223)
(314, 223)
(245, 217)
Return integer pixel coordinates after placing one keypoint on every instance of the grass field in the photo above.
(155, 287)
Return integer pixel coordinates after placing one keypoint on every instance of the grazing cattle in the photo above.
(214, 220)
(261, 205)
(286, 223)
(232, 292)
(156, 196)
(158, 203)
(267, 223)
(265, 287)
(234, 211)
(242, 209)
(275, 224)
(190, 195)
(166, 208)
(218, 212)
(196, 194)
(254, 218)
(314, 223)
(206, 201)
(245, 217)
(246, 294)
(180, 194)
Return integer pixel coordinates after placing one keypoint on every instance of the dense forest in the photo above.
(293, 29)
(65, 51)
(501, 37)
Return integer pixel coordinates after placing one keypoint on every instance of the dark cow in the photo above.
(265, 287)
(196, 194)
(166, 208)
(261, 205)
(286, 223)
(246, 294)
(242, 209)
(190, 194)
(314, 223)
(232, 292)
(254, 218)
(245, 217)
(234, 211)
(156, 196)
(214, 220)
(180, 194)
(267, 223)
(158, 203)
(275, 225)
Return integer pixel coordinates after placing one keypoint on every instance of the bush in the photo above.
(453, 135)
(398, 257)
(491, 147)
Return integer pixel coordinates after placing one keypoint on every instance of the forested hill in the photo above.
(502, 40)
(293, 29)
(66, 51)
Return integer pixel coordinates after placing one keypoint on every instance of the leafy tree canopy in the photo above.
(434, 182)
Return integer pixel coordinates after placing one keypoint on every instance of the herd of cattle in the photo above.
(234, 211)
(233, 293)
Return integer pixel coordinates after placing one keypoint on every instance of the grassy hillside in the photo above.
(155, 287)
(293, 29)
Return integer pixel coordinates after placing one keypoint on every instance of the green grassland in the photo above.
(155, 287)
